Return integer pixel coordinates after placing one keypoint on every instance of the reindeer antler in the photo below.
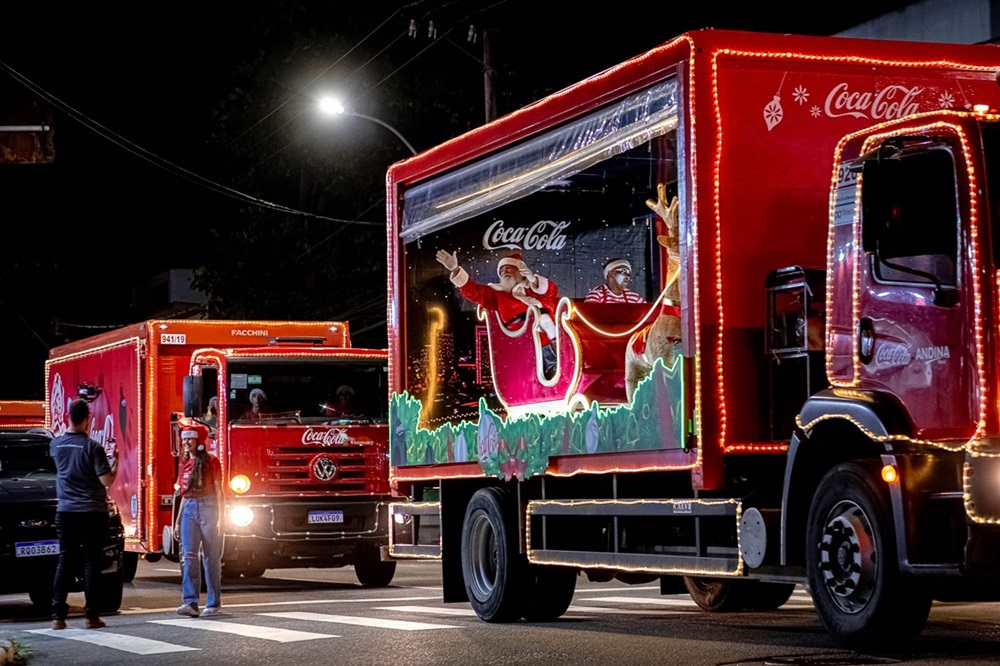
(670, 214)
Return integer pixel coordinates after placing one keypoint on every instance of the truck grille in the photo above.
(308, 469)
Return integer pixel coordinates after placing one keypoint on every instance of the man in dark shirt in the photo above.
(82, 477)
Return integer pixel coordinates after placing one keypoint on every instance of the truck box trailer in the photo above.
(304, 486)
(807, 393)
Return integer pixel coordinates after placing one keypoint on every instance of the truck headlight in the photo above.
(239, 484)
(241, 516)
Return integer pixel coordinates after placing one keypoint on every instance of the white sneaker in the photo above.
(189, 610)
(209, 611)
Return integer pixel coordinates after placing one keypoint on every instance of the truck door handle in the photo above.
(866, 340)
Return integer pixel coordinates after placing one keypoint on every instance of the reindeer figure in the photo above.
(661, 339)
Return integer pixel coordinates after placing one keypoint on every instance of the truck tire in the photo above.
(130, 561)
(493, 569)
(766, 596)
(371, 570)
(550, 591)
(724, 596)
(109, 589)
(859, 594)
(713, 595)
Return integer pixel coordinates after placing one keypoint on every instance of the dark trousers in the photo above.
(81, 538)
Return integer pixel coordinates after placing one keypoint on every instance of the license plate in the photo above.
(322, 517)
(36, 548)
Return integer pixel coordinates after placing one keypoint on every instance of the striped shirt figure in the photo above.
(615, 289)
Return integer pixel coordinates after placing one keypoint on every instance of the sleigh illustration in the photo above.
(590, 349)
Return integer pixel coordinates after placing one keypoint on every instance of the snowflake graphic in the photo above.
(815, 112)
(801, 95)
(946, 100)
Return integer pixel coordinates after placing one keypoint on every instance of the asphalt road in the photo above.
(314, 616)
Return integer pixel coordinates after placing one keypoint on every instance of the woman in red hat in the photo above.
(199, 482)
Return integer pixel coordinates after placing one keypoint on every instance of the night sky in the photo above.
(82, 232)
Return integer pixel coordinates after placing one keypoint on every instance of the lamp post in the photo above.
(334, 107)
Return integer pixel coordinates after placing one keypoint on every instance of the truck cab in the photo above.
(302, 438)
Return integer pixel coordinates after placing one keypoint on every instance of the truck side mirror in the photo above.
(192, 396)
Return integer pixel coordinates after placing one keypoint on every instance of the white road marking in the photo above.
(300, 602)
(114, 641)
(598, 610)
(250, 630)
(431, 610)
(361, 621)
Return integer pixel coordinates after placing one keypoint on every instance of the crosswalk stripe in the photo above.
(251, 630)
(360, 621)
(115, 641)
(597, 610)
(432, 610)
(679, 603)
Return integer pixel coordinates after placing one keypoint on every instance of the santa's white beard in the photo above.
(508, 282)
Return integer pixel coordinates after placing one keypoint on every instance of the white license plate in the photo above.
(321, 517)
(36, 548)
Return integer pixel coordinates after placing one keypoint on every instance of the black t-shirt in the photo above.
(80, 462)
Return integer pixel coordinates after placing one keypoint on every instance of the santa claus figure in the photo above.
(518, 289)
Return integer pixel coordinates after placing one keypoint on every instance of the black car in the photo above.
(29, 547)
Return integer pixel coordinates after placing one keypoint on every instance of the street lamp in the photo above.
(334, 107)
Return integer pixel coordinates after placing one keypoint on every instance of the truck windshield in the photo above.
(311, 391)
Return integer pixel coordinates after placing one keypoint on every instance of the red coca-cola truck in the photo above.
(21, 414)
(810, 391)
(306, 481)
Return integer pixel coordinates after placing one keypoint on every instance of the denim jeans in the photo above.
(82, 536)
(200, 530)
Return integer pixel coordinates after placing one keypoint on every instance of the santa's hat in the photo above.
(612, 264)
(194, 431)
(513, 259)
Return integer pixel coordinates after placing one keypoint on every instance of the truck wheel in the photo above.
(371, 570)
(859, 594)
(766, 596)
(130, 561)
(715, 596)
(724, 596)
(550, 591)
(109, 589)
(493, 569)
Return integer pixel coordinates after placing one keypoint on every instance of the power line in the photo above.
(158, 161)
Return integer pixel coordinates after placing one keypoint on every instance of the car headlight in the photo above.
(239, 484)
(241, 516)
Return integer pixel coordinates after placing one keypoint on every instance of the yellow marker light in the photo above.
(241, 516)
(889, 474)
(239, 484)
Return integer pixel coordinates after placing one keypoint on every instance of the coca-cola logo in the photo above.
(889, 103)
(542, 235)
(104, 434)
(327, 437)
(889, 355)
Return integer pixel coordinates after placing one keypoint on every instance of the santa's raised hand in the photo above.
(447, 259)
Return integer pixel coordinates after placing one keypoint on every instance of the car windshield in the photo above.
(23, 454)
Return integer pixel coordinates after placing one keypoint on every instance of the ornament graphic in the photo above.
(773, 113)
(461, 448)
(487, 440)
(591, 434)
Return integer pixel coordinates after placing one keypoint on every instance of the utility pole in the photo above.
(489, 78)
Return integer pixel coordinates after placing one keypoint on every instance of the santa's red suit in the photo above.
(511, 309)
